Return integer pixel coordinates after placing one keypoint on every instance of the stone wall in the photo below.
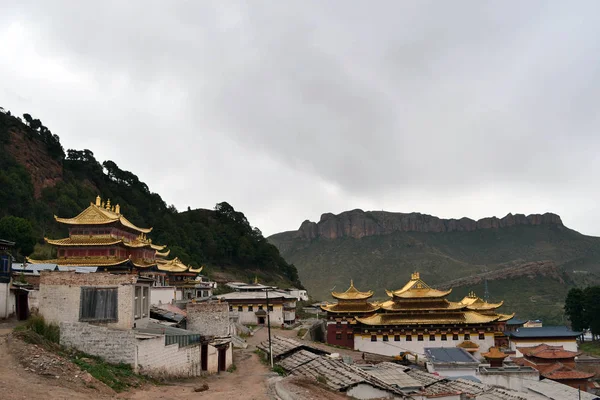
(208, 318)
(147, 354)
(162, 295)
(113, 345)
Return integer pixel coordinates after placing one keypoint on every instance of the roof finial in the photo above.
(415, 276)
(98, 200)
(108, 204)
(118, 209)
(351, 282)
(256, 279)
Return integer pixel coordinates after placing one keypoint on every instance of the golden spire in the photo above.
(118, 209)
(108, 204)
(98, 200)
(415, 276)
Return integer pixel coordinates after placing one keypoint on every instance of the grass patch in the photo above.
(592, 348)
(279, 370)
(231, 368)
(302, 332)
(38, 325)
(118, 377)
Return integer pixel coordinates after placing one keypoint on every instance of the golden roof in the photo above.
(163, 254)
(101, 214)
(352, 294)
(417, 288)
(79, 240)
(349, 307)
(467, 344)
(467, 317)
(196, 270)
(174, 265)
(505, 317)
(82, 262)
(393, 305)
(494, 353)
(473, 302)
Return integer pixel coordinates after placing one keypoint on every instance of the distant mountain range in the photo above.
(528, 261)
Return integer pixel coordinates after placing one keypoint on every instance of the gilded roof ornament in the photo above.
(417, 288)
(352, 293)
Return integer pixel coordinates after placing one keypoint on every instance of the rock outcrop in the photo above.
(358, 224)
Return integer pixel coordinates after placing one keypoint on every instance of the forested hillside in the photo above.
(38, 180)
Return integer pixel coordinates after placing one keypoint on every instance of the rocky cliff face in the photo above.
(358, 224)
(32, 154)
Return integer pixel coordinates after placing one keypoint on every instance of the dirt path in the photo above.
(16, 383)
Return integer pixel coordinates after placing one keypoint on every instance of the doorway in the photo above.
(204, 357)
(222, 359)
(261, 320)
(22, 303)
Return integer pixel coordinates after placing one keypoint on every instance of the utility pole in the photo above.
(269, 328)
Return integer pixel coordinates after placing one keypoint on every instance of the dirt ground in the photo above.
(27, 372)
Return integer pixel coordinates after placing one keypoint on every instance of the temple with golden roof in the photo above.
(100, 236)
(414, 317)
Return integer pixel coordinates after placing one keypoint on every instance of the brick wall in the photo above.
(208, 318)
(113, 345)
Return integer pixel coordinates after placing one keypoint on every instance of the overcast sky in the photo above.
(290, 109)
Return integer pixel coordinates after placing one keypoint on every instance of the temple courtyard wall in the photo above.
(393, 348)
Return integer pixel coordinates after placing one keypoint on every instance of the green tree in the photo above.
(591, 306)
(20, 231)
(574, 309)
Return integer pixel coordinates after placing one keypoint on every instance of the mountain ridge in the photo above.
(358, 223)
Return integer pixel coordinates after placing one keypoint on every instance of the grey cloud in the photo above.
(379, 100)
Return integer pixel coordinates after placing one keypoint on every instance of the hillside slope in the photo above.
(529, 261)
(38, 180)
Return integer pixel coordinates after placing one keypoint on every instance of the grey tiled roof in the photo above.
(393, 375)
(449, 355)
(425, 378)
(297, 359)
(545, 331)
(283, 346)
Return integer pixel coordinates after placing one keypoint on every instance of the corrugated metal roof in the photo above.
(449, 355)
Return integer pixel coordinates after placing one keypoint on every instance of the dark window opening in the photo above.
(373, 338)
(385, 338)
(467, 336)
(350, 336)
(338, 336)
(270, 308)
(455, 336)
(420, 338)
(444, 337)
(432, 338)
(396, 338)
(260, 307)
(240, 308)
(98, 305)
(481, 336)
(250, 308)
(408, 338)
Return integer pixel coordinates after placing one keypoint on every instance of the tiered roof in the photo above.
(548, 360)
(418, 303)
(351, 301)
(101, 213)
(548, 352)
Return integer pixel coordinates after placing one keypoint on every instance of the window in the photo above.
(373, 338)
(444, 337)
(481, 336)
(141, 309)
(260, 307)
(338, 324)
(240, 308)
(98, 304)
(420, 338)
(250, 308)
(385, 338)
(145, 299)
(408, 338)
(270, 308)
(467, 336)
(338, 336)
(396, 338)
(432, 338)
(4, 265)
(455, 336)
(350, 336)
(230, 308)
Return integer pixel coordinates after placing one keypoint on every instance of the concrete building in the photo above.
(512, 377)
(250, 307)
(108, 315)
(552, 335)
(299, 294)
(7, 302)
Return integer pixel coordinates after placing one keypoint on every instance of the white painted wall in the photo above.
(362, 342)
(364, 391)
(162, 295)
(570, 345)
(512, 380)
(246, 317)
